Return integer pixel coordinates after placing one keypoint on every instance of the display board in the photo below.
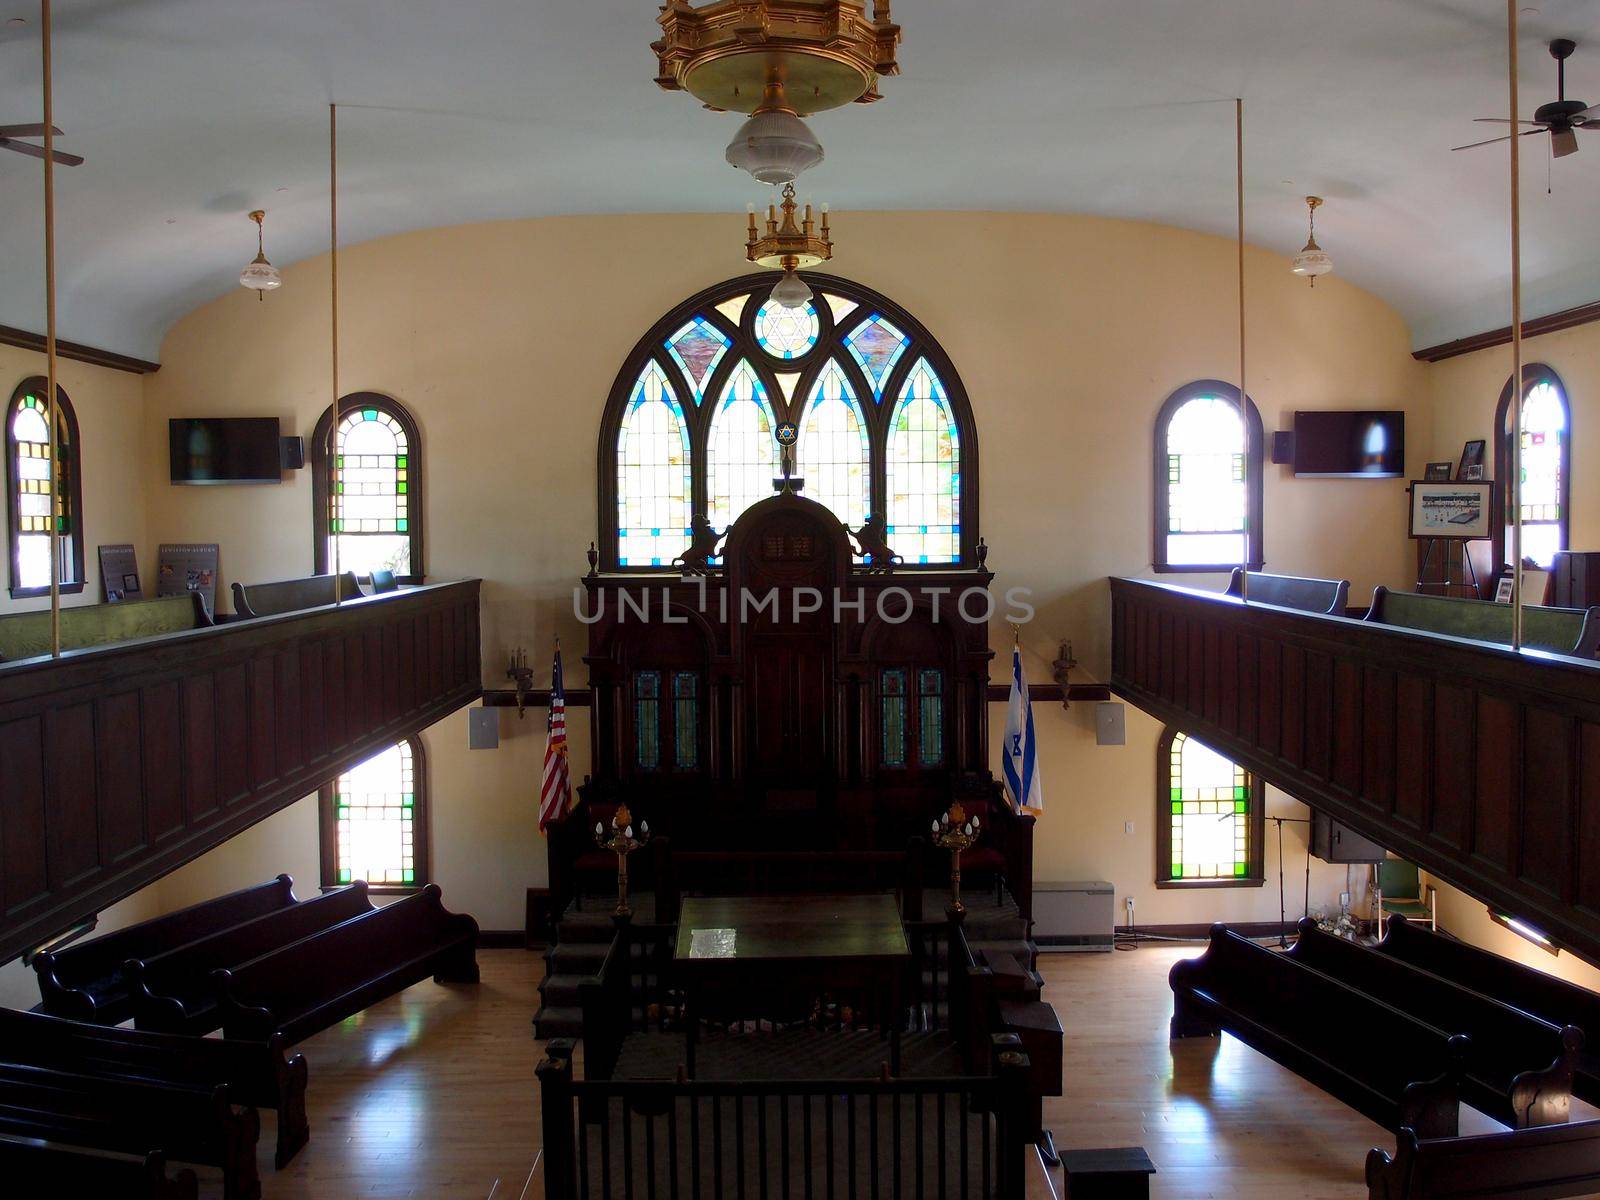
(188, 567)
(119, 574)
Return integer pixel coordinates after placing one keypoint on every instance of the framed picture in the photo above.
(1438, 472)
(1502, 589)
(1472, 459)
(1459, 510)
(1535, 584)
(1472, 471)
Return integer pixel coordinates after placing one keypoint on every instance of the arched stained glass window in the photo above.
(742, 456)
(834, 454)
(1208, 480)
(28, 491)
(924, 472)
(654, 487)
(374, 822)
(883, 430)
(1546, 450)
(1208, 815)
(877, 346)
(369, 489)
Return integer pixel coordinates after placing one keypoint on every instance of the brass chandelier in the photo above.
(787, 245)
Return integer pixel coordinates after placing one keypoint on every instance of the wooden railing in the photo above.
(120, 763)
(1480, 764)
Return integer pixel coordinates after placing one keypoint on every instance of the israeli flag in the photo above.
(1019, 764)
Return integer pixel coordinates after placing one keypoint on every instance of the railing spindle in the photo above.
(627, 1151)
(672, 1148)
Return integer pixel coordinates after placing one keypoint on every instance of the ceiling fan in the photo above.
(1562, 118)
(10, 133)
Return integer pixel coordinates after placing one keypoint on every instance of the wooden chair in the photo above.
(1400, 893)
(27, 634)
(87, 981)
(291, 595)
(1327, 596)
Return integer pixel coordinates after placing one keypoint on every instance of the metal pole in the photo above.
(336, 475)
(52, 407)
(1514, 484)
(1244, 396)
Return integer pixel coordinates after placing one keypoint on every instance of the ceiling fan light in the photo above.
(1312, 261)
(774, 146)
(791, 292)
(260, 275)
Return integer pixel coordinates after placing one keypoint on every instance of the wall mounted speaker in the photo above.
(483, 729)
(1110, 724)
(291, 453)
(1283, 447)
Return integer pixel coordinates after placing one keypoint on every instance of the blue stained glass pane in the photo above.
(832, 450)
(647, 719)
(924, 471)
(787, 332)
(930, 717)
(685, 720)
(877, 346)
(697, 348)
(892, 698)
(742, 455)
(653, 481)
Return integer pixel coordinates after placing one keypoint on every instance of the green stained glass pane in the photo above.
(408, 876)
(1240, 806)
(402, 525)
(1238, 868)
(1240, 793)
(401, 461)
(369, 414)
(1177, 870)
(400, 488)
(1177, 794)
(408, 800)
(344, 875)
(1177, 808)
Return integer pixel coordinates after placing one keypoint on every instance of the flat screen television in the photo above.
(225, 450)
(1361, 444)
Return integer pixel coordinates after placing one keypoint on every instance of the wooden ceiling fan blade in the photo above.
(1563, 142)
(16, 131)
(1507, 121)
(32, 151)
(1475, 145)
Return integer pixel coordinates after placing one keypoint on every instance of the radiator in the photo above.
(1074, 916)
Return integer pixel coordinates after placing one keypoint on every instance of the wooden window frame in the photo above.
(38, 385)
(1256, 875)
(1533, 374)
(420, 841)
(1253, 479)
(666, 701)
(321, 459)
(809, 366)
(915, 762)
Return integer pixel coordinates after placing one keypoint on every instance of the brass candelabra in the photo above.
(622, 842)
(952, 831)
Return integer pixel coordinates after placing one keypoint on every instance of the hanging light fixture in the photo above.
(1312, 260)
(260, 276)
(787, 245)
(780, 61)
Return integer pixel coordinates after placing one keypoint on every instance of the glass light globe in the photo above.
(774, 146)
(260, 275)
(791, 292)
(1312, 261)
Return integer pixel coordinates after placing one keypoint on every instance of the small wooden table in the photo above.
(751, 950)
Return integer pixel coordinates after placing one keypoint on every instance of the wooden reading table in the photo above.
(752, 955)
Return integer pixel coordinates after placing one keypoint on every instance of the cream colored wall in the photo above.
(111, 426)
(1469, 920)
(1465, 392)
(18, 986)
(1069, 332)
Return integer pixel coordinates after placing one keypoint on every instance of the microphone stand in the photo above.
(1283, 919)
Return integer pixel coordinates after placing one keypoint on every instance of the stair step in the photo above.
(558, 1022)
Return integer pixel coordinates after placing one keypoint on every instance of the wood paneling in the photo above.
(1480, 764)
(123, 762)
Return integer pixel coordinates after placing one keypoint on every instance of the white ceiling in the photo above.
(192, 112)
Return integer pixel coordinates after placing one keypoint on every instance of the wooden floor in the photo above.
(432, 1094)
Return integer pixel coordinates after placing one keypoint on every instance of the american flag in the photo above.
(555, 788)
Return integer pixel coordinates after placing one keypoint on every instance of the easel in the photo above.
(1424, 583)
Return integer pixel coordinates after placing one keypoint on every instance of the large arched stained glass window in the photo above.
(1207, 481)
(28, 491)
(653, 481)
(1546, 450)
(835, 455)
(369, 489)
(375, 822)
(924, 472)
(883, 430)
(1209, 817)
(742, 455)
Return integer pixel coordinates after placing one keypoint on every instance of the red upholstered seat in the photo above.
(982, 858)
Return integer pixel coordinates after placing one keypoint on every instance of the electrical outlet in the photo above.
(1127, 827)
(1344, 899)
(1129, 903)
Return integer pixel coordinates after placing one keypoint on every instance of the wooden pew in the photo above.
(309, 985)
(1573, 631)
(1397, 1070)
(1518, 1069)
(129, 1116)
(1293, 591)
(1525, 1164)
(37, 1170)
(1555, 1000)
(260, 1073)
(86, 981)
(289, 595)
(174, 992)
(27, 634)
